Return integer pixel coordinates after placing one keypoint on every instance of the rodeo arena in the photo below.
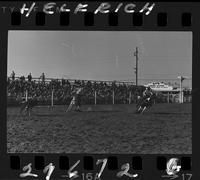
(48, 115)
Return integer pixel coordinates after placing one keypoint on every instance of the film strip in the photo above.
(163, 148)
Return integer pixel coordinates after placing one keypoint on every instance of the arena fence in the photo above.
(52, 96)
(95, 99)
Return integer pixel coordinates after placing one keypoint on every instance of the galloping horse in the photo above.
(144, 103)
(76, 100)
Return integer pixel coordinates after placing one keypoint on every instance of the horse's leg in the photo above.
(69, 107)
(74, 106)
(77, 108)
(26, 110)
(30, 111)
(22, 108)
(139, 109)
(143, 109)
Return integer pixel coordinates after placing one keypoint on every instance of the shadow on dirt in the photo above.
(50, 115)
(169, 113)
(73, 113)
(101, 111)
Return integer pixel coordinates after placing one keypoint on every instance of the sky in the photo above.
(101, 55)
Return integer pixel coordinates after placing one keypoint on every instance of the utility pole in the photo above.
(136, 72)
(136, 66)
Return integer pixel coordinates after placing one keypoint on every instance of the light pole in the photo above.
(181, 88)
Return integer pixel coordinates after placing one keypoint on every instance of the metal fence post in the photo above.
(95, 97)
(26, 95)
(167, 97)
(52, 103)
(113, 97)
(130, 97)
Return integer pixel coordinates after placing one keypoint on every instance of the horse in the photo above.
(72, 104)
(27, 105)
(75, 101)
(143, 104)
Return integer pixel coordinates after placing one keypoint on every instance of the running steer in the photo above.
(27, 106)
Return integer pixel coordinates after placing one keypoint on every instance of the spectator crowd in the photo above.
(61, 90)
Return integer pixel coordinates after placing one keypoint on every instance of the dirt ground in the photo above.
(163, 129)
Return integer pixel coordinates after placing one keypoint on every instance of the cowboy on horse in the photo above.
(145, 101)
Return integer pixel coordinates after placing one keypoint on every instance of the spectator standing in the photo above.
(29, 77)
(62, 82)
(22, 78)
(13, 75)
(42, 78)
